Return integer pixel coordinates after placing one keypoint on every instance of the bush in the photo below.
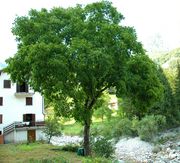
(123, 128)
(70, 147)
(104, 129)
(160, 122)
(52, 128)
(102, 147)
(149, 126)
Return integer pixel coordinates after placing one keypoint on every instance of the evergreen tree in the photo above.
(177, 93)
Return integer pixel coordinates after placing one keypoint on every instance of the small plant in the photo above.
(156, 149)
(52, 128)
(102, 147)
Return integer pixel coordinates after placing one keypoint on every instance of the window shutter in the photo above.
(17, 88)
(24, 117)
(33, 117)
(1, 117)
(26, 87)
(1, 101)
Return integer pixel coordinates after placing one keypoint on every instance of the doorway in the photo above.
(31, 118)
(31, 135)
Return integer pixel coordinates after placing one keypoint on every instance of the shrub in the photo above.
(102, 147)
(149, 126)
(52, 128)
(70, 147)
(135, 123)
(104, 130)
(156, 149)
(160, 122)
(123, 128)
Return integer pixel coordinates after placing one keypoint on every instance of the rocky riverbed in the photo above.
(164, 149)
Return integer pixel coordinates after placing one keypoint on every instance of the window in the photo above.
(29, 118)
(1, 101)
(7, 83)
(22, 87)
(1, 118)
(29, 101)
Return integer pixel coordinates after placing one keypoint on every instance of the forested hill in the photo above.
(168, 60)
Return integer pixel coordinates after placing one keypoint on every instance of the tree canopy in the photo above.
(144, 87)
(73, 55)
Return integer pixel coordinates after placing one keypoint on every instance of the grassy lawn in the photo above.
(77, 128)
(73, 129)
(41, 153)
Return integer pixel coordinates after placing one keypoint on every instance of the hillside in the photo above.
(168, 60)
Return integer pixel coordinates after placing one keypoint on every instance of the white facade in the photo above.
(20, 135)
(14, 105)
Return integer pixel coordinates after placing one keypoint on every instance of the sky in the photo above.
(157, 22)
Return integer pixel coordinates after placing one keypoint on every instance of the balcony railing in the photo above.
(29, 124)
(15, 125)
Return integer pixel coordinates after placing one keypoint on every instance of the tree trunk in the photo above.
(49, 139)
(86, 139)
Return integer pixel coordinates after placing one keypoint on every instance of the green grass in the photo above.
(73, 129)
(41, 153)
(77, 128)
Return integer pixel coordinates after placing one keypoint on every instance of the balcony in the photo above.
(29, 124)
(22, 90)
(24, 94)
(23, 125)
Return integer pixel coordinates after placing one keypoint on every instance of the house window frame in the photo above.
(29, 101)
(7, 83)
(22, 88)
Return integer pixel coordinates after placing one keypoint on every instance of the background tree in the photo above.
(71, 56)
(165, 106)
(144, 87)
(52, 128)
(101, 107)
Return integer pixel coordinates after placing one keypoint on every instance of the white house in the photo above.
(21, 112)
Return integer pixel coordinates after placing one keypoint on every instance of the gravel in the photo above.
(138, 151)
(64, 140)
(134, 149)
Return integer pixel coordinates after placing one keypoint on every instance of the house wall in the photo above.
(9, 138)
(40, 135)
(15, 106)
(18, 136)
